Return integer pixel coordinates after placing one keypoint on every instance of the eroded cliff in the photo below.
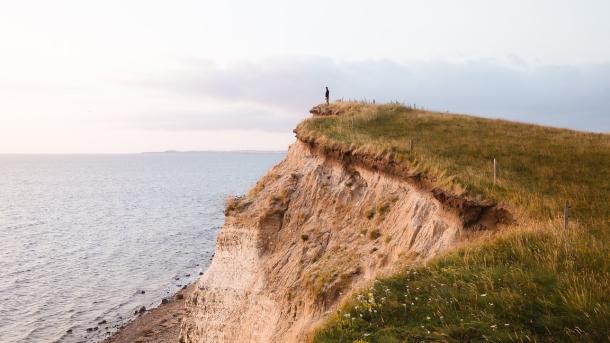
(315, 228)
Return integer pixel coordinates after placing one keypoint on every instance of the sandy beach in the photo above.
(159, 325)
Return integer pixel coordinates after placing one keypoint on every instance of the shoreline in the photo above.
(160, 324)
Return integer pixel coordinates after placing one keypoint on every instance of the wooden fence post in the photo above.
(494, 172)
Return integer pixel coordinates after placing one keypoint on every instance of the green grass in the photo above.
(526, 286)
(546, 284)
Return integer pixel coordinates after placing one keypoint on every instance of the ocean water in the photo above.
(81, 236)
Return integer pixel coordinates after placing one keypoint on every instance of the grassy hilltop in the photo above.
(532, 281)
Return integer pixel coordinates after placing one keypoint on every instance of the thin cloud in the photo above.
(279, 92)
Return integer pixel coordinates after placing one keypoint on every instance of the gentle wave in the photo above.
(82, 236)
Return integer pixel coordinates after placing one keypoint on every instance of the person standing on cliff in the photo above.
(327, 95)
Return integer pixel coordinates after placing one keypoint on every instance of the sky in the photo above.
(130, 76)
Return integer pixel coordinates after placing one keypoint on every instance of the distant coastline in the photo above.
(217, 151)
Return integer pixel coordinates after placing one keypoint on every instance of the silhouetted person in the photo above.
(327, 95)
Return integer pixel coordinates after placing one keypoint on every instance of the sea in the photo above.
(86, 240)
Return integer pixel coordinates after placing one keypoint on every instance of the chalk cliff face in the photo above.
(312, 230)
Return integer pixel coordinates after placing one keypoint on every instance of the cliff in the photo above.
(316, 227)
(354, 202)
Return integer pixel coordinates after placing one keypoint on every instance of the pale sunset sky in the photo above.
(130, 76)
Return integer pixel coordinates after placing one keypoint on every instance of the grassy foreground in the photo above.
(533, 282)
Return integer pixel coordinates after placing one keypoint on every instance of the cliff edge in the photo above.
(315, 228)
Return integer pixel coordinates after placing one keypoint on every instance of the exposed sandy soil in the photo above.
(159, 325)
(311, 231)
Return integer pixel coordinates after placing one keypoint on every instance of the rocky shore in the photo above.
(159, 325)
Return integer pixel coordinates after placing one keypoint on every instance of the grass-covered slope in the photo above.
(533, 281)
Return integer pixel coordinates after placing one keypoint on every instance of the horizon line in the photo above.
(254, 151)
